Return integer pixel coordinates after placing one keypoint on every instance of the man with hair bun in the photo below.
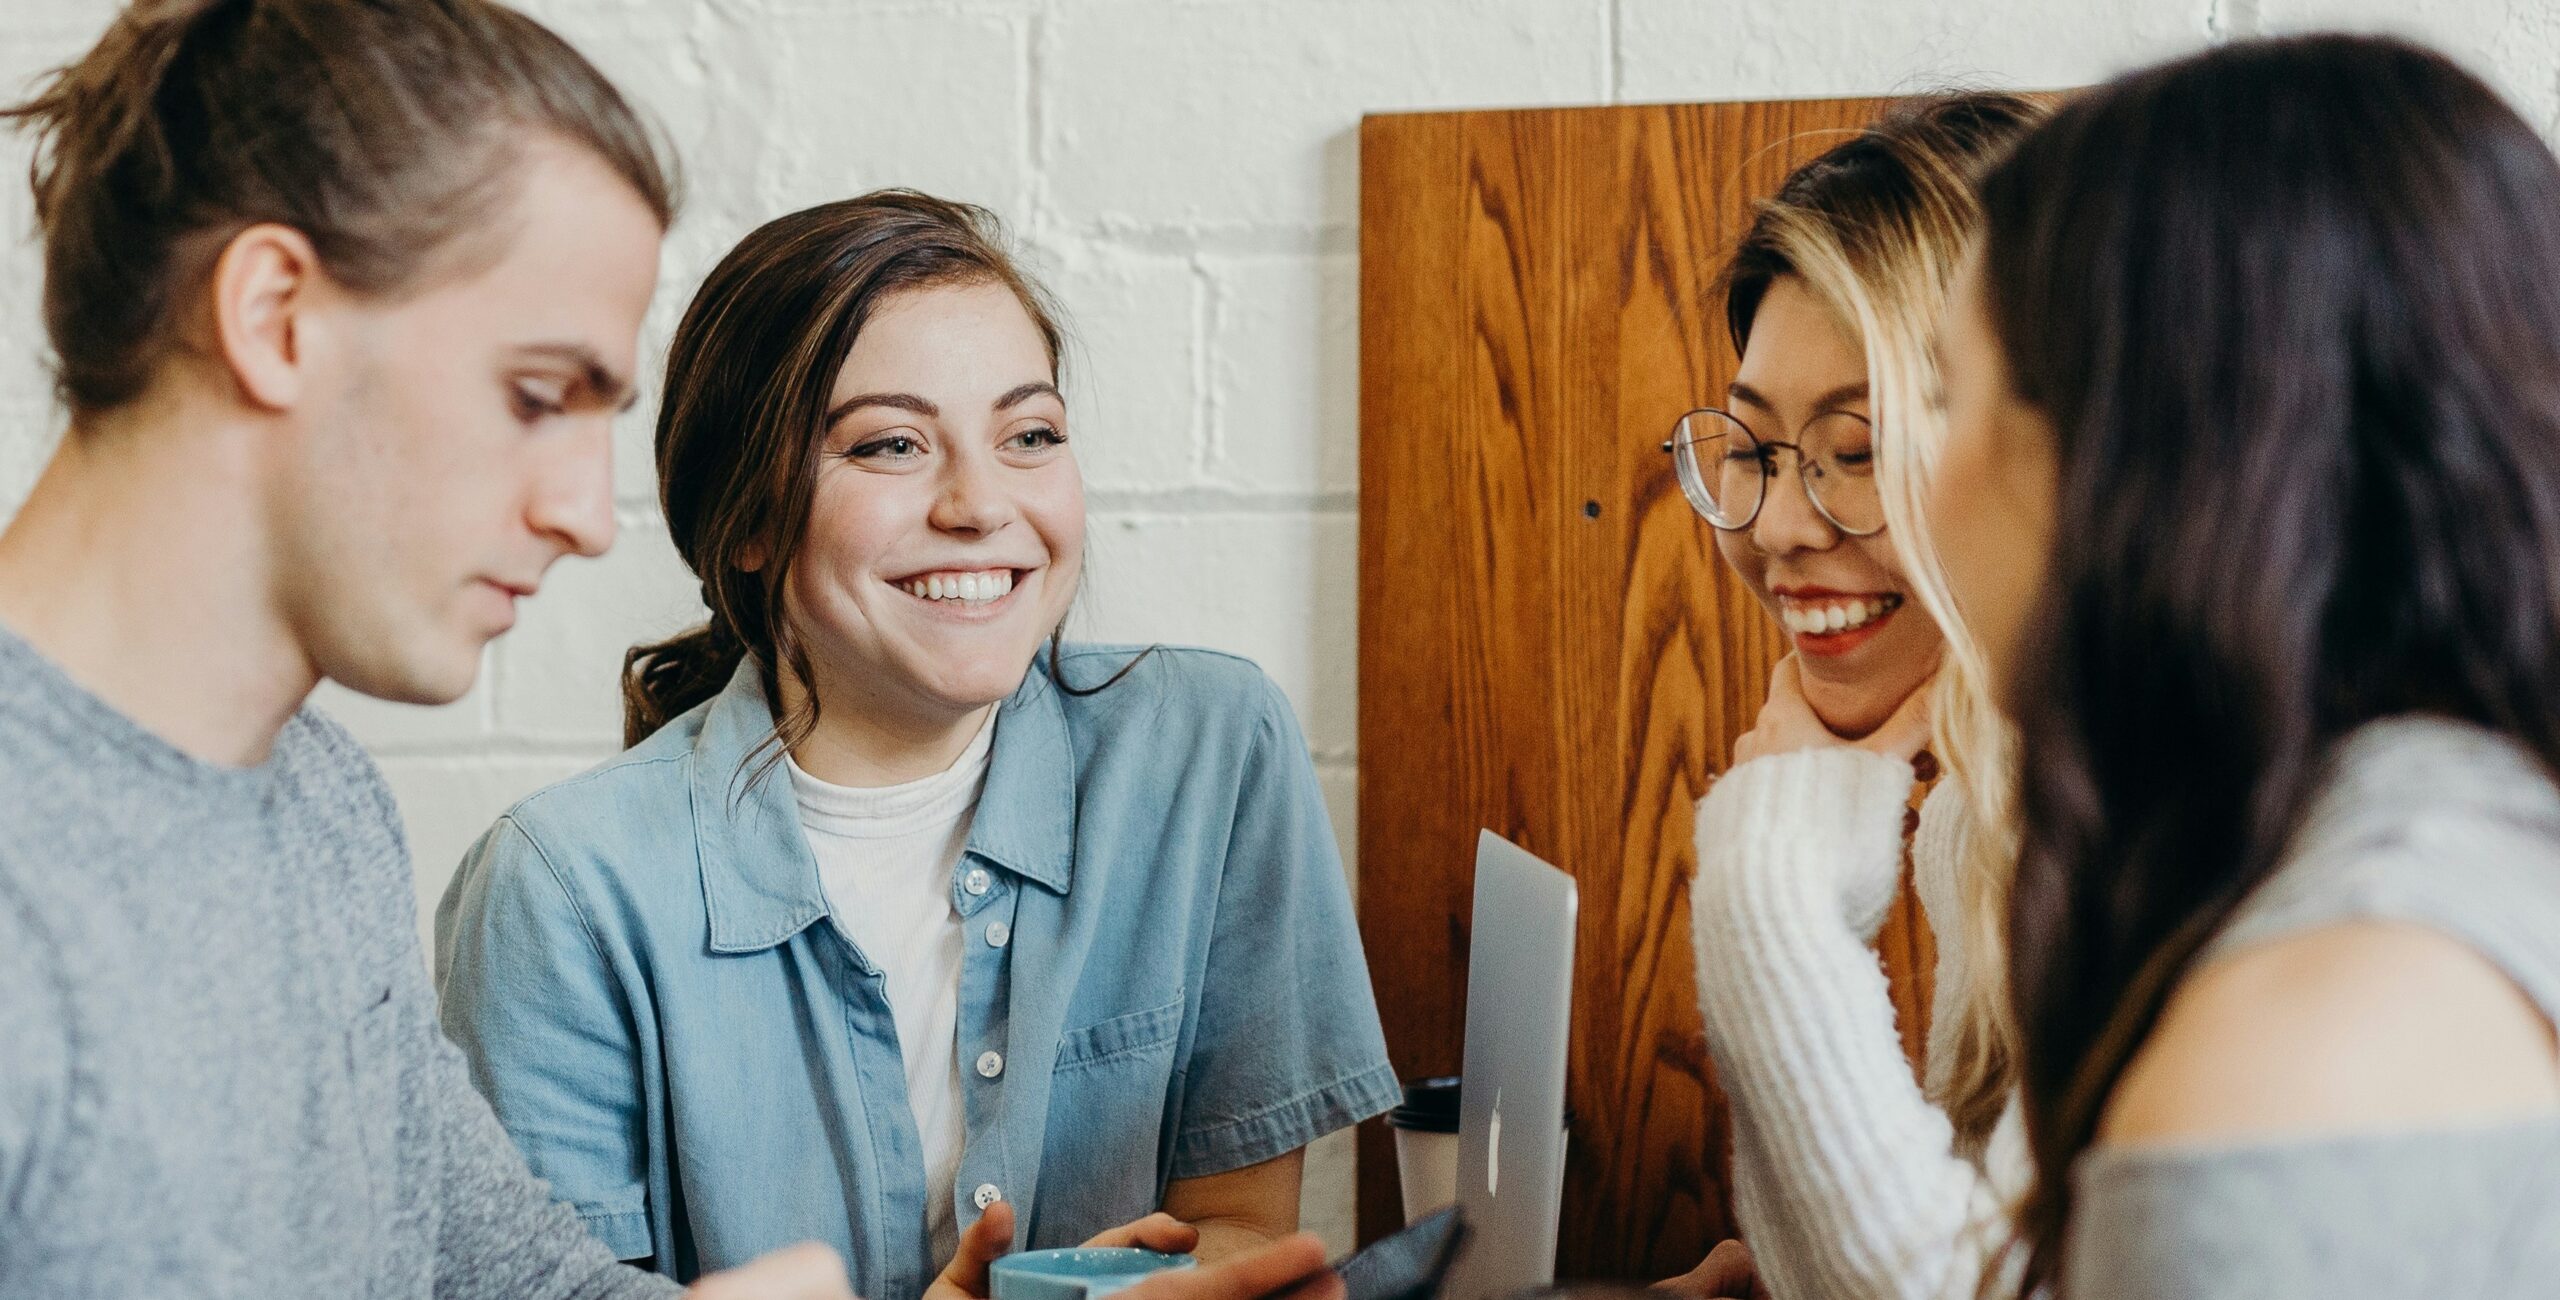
(342, 299)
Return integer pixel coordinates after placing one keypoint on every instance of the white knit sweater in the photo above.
(1846, 1179)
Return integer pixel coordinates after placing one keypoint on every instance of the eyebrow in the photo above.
(1840, 396)
(611, 389)
(1025, 392)
(897, 401)
(1016, 396)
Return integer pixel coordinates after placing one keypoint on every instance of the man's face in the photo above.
(458, 440)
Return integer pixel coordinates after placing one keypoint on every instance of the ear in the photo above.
(751, 558)
(263, 284)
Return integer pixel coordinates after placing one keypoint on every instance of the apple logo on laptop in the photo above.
(1493, 1149)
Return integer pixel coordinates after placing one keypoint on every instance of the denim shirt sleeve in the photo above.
(529, 997)
(1288, 1047)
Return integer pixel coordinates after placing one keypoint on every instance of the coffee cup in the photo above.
(1426, 1129)
(1077, 1272)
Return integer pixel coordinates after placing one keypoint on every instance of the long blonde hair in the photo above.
(1876, 227)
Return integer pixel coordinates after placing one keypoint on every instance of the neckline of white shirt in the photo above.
(880, 812)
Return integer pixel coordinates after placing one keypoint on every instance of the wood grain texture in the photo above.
(1549, 645)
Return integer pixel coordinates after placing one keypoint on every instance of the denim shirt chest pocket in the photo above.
(1109, 1116)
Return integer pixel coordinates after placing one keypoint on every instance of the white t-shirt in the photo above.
(884, 858)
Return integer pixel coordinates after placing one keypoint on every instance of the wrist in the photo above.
(1812, 831)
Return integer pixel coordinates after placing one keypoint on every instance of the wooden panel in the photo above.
(1549, 645)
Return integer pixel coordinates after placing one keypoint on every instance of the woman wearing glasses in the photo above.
(1850, 1179)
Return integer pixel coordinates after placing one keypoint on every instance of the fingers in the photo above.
(981, 1246)
(808, 1271)
(1158, 1232)
(1785, 721)
(1786, 692)
(1326, 1285)
(1788, 676)
(1730, 1265)
(1292, 1268)
(1725, 1274)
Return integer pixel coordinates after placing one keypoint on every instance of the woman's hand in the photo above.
(985, 1242)
(991, 1237)
(1292, 1268)
(1726, 1274)
(1158, 1232)
(1787, 723)
(807, 1271)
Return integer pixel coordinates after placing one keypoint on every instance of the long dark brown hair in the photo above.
(743, 423)
(2293, 309)
(386, 131)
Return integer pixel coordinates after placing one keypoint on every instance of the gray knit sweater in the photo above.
(220, 1070)
(2427, 822)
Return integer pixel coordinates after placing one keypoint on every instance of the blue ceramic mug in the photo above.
(1079, 1272)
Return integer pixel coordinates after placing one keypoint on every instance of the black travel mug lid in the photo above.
(1430, 1106)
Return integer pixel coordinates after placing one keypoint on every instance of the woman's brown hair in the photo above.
(743, 422)
(2292, 308)
(386, 131)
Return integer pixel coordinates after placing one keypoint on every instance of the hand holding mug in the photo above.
(1290, 1269)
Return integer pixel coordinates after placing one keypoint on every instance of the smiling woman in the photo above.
(1811, 543)
(887, 917)
(945, 534)
(1851, 1179)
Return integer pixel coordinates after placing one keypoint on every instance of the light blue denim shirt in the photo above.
(1161, 951)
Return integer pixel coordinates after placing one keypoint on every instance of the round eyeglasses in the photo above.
(1725, 470)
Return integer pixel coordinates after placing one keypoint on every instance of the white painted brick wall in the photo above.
(1185, 173)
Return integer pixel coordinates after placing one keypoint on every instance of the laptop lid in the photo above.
(1511, 1139)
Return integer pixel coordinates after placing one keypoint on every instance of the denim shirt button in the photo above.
(986, 1195)
(977, 882)
(998, 934)
(990, 1064)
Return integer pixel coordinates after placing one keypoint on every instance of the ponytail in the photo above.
(663, 679)
(385, 132)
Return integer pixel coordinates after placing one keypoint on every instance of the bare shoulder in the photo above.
(2351, 1028)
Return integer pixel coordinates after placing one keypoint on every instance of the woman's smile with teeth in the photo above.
(1831, 614)
(966, 587)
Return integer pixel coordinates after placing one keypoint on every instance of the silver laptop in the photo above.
(1511, 1139)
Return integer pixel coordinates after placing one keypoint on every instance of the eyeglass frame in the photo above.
(1670, 447)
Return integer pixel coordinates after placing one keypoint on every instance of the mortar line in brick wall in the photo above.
(1208, 310)
(1218, 237)
(2231, 20)
(639, 512)
(1034, 30)
(1219, 501)
(1612, 51)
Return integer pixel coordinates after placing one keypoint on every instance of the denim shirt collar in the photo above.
(759, 879)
